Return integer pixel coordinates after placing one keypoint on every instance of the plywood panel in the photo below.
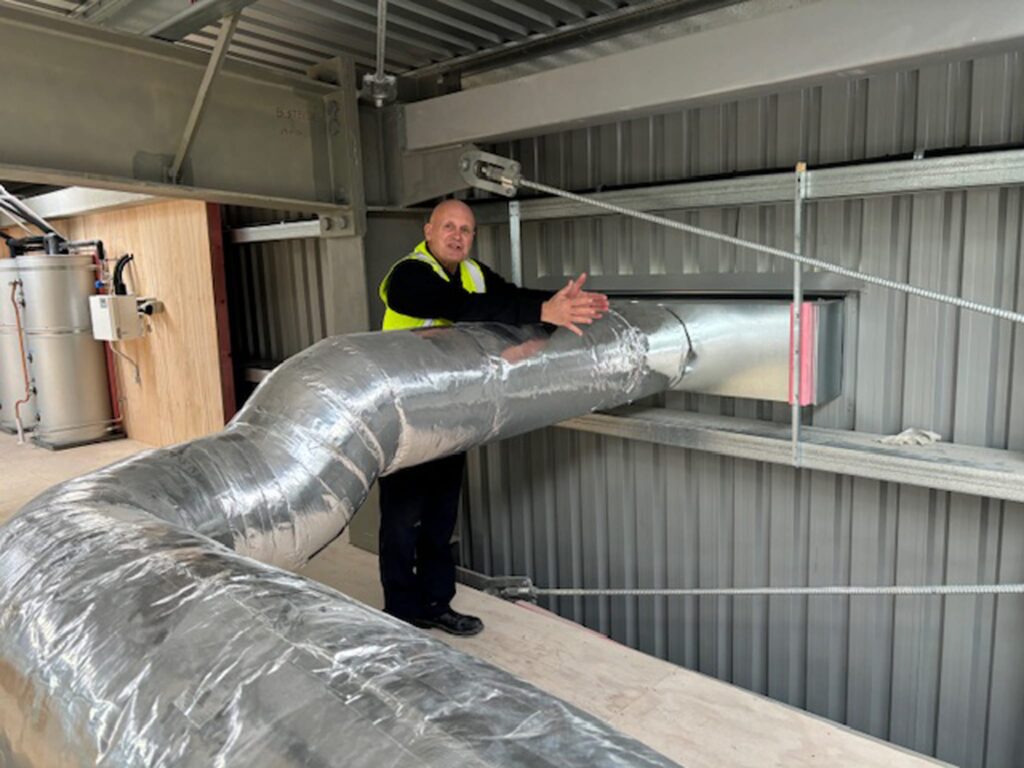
(178, 395)
(690, 718)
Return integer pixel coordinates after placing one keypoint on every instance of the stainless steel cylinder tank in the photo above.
(12, 378)
(68, 365)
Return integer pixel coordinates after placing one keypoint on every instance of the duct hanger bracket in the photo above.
(379, 89)
(492, 173)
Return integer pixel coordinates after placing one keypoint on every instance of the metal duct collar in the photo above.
(132, 634)
(743, 348)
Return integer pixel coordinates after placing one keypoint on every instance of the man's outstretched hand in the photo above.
(572, 306)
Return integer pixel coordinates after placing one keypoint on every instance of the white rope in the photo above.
(956, 301)
(935, 589)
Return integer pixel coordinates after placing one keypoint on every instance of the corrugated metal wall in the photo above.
(282, 309)
(275, 295)
(942, 676)
(277, 292)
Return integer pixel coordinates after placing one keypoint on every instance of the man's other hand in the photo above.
(572, 306)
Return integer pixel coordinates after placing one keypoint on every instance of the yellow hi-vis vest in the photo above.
(470, 273)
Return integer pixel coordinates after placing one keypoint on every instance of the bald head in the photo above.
(449, 233)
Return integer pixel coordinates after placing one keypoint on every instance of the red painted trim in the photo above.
(108, 352)
(215, 231)
(115, 397)
(808, 328)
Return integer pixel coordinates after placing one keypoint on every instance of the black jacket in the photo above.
(415, 289)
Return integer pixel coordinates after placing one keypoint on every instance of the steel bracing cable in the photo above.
(913, 290)
(935, 589)
(382, 20)
(12, 204)
(14, 214)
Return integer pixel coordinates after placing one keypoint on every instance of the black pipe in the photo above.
(12, 211)
(19, 246)
(101, 252)
(119, 286)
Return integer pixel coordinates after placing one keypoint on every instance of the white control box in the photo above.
(115, 318)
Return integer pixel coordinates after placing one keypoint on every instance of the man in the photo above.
(438, 284)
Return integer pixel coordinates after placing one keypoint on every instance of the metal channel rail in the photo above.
(523, 588)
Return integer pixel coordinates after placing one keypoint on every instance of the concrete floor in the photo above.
(693, 719)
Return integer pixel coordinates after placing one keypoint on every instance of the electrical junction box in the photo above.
(114, 318)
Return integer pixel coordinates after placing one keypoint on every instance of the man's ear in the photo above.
(426, 231)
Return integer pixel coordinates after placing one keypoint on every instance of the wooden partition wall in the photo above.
(178, 395)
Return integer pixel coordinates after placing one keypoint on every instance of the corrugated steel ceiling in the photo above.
(294, 35)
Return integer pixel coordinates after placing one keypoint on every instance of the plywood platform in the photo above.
(691, 718)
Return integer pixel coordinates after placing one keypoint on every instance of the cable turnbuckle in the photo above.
(490, 172)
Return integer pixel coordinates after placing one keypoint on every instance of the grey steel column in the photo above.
(798, 299)
(515, 239)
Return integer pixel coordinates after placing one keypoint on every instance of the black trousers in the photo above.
(418, 509)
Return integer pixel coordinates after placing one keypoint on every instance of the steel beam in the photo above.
(977, 169)
(220, 50)
(400, 178)
(267, 139)
(764, 189)
(346, 305)
(182, 23)
(256, 375)
(343, 157)
(267, 233)
(287, 230)
(812, 42)
(166, 19)
(98, 11)
(988, 472)
(59, 177)
(899, 177)
(818, 284)
(76, 201)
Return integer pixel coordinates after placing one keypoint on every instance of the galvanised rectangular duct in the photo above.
(743, 348)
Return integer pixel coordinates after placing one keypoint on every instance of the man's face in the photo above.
(449, 233)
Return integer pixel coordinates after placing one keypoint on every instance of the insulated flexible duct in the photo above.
(138, 628)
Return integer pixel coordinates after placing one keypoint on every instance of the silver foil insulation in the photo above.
(142, 620)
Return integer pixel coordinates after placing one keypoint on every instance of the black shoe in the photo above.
(452, 622)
